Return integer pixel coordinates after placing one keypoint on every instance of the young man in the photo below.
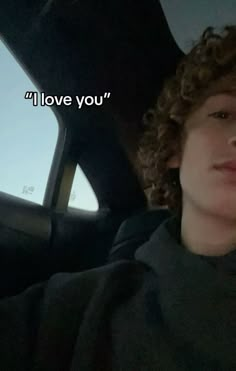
(174, 306)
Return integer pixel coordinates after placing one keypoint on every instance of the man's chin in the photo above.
(226, 208)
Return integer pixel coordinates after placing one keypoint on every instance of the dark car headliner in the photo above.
(88, 48)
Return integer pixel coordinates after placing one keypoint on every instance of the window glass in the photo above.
(188, 19)
(82, 195)
(28, 134)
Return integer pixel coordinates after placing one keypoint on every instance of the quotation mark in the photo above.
(107, 95)
(29, 95)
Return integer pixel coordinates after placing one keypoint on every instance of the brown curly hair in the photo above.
(208, 69)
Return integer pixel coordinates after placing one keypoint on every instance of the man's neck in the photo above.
(206, 234)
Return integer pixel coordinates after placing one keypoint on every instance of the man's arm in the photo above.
(19, 325)
(65, 320)
(41, 324)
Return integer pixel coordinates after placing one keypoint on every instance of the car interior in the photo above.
(85, 48)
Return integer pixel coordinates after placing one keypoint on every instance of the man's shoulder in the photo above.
(56, 311)
(77, 288)
(90, 281)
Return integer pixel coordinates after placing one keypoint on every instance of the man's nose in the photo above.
(232, 140)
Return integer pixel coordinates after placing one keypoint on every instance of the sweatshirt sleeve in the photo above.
(40, 325)
(19, 324)
(61, 322)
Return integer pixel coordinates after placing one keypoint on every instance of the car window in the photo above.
(28, 134)
(82, 195)
(28, 137)
(187, 19)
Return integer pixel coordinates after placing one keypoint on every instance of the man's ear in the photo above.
(174, 162)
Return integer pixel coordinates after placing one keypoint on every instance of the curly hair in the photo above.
(207, 70)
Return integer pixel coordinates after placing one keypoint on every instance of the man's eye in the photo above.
(220, 115)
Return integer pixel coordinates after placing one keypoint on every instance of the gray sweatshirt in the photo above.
(166, 310)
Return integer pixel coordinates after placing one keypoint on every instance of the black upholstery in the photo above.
(134, 231)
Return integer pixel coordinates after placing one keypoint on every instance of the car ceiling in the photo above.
(188, 19)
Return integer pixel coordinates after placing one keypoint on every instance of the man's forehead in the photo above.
(224, 88)
(226, 85)
(221, 99)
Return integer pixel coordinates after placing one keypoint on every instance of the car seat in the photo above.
(134, 231)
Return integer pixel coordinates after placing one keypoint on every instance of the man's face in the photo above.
(207, 180)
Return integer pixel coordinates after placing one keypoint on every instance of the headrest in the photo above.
(134, 231)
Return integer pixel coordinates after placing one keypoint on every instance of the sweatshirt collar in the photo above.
(165, 243)
(198, 302)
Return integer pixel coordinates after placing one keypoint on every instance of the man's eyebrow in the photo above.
(221, 99)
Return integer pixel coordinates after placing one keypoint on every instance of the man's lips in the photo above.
(227, 169)
(227, 165)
